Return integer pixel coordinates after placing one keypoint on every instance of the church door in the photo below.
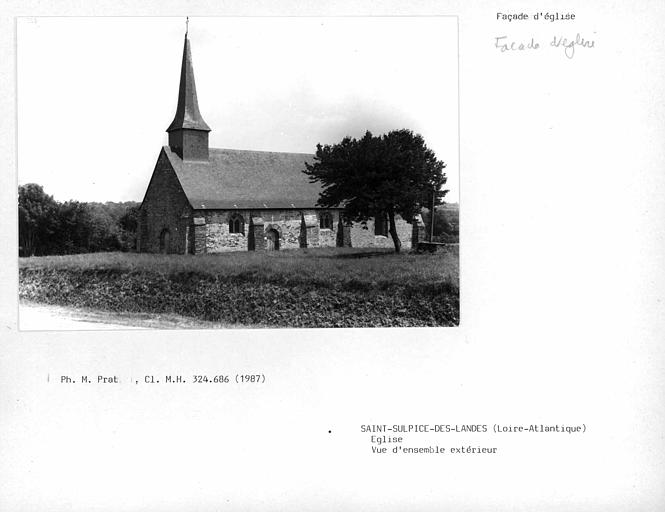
(165, 241)
(272, 240)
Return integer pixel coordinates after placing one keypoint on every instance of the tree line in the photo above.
(47, 226)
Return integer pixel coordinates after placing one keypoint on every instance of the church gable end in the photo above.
(165, 212)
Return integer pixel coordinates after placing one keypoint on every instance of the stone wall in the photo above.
(363, 235)
(255, 235)
(288, 223)
(213, 236)
(327, 237)
(311, 223)
(218, 238)
(199, 238)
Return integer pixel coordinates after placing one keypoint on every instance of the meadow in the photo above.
(300, 288)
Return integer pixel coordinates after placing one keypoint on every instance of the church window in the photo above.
(326, 221)
(237, 224)
(165, 241)
(380, 225)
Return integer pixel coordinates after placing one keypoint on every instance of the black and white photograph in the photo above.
(336, 206)
(332, 256)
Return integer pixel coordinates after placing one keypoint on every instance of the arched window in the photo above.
(380, 225)
(325, 220)
(165, 241)
(237, 224)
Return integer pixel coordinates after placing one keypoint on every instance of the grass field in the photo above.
(300, 288)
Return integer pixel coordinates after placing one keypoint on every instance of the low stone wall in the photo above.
(363, 236)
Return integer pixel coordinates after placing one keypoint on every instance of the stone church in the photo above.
(208, 200)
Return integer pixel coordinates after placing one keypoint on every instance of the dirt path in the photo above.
(37, 317)
(40, 317)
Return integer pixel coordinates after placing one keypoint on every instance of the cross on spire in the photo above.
(187, 26)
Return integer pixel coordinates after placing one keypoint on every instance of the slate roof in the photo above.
(187, 113)
(242, 179)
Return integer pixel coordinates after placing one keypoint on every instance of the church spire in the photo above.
(188, 133)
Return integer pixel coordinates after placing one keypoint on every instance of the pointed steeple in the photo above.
(188, 133)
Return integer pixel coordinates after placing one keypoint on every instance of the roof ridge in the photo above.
(263, 151)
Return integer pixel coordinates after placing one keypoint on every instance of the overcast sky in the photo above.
(95, 95)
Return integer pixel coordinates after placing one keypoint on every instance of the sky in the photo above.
(95, 95)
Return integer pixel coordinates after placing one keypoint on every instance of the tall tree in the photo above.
(37, 220)
(73, 227)
(128, 223)
(388, 175)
